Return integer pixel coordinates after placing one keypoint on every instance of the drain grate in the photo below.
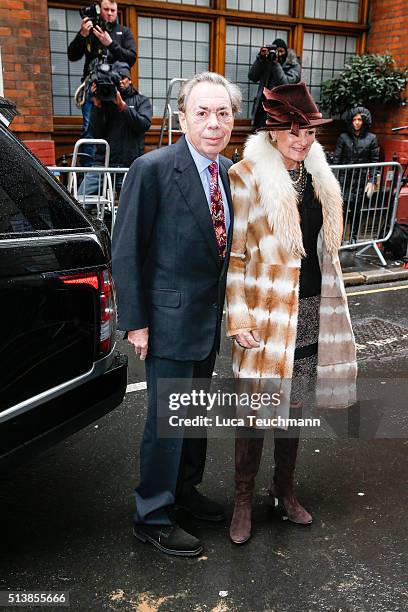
(376, 337)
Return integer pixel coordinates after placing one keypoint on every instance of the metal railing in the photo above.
(370, 199)
(96, 188)
(369, 212)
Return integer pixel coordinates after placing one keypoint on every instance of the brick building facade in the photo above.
(388, 32)
(27, 68)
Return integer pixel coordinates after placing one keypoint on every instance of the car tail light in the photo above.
(108, 312)
(103, 284)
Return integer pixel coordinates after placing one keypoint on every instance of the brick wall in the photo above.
(24, 42)
(388, 33)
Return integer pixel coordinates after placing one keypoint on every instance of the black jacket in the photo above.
(166, 268)
(351, 149)
(361, 149)
(124, 130)
(271, 75)
(122, 48)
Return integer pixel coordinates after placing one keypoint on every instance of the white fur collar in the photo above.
(279, 199)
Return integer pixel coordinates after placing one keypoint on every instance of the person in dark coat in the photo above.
(116, 42)
(280, 67)
(356, 146)
(123, 124)
(170, 251)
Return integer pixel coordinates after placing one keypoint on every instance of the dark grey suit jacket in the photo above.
(166, 268)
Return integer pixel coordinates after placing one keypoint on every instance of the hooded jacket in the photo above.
(353, 149)
(270, 75)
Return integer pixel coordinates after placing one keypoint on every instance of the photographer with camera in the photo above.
(274, 65)
(121, 116)
(100, 36)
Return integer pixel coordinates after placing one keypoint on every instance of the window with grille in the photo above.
(170, 48)
(273, 7)
(177, 43)
(324, 56)
(242, 47)
(64, 24)
(336, 10)
(194, 2)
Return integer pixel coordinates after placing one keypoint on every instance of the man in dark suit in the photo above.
(171, 245)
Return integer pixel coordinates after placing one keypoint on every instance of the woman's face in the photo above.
(357, 122)
(294, 148)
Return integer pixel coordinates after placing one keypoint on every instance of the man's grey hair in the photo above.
(216, 79)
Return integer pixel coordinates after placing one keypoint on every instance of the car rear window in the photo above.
(30, 200)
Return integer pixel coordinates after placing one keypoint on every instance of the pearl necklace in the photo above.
(299, 183)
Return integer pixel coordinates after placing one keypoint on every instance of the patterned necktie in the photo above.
(217, 211)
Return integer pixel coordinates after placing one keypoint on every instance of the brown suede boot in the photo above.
(281, 490)
(248, 452)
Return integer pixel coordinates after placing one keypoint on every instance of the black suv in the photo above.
(59, 370)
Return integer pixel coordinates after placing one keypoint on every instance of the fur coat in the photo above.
(264, 270)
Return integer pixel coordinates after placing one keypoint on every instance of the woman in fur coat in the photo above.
(287, 308)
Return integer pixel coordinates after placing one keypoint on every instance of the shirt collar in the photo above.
(200, 161)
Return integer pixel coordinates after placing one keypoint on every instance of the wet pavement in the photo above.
(66, 517)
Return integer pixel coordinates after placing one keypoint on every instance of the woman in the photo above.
(287, 307)
(356, 146)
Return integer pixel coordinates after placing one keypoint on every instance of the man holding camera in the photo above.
(100, 36)
(122, 121)
(274, 65)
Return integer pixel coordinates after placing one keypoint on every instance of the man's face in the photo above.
(109, 11)
(124, 83)
(208, 119)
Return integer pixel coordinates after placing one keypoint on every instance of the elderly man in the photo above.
(170, 256)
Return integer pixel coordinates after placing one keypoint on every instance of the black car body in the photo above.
(59, 369)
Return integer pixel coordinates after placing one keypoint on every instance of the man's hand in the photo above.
(95, 101)
(102, 36)
(119, 102)
(248, 339)
(140, 339)
(86, 27)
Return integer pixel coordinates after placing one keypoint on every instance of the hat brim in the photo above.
(281, 127)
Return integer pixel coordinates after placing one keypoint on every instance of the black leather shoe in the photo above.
(200, 506)
(170, 539)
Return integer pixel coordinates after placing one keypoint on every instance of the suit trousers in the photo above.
(168, 465)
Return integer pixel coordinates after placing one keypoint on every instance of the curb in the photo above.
(370, 277)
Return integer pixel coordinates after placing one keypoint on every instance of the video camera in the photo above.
(106, 80)
(93, 12)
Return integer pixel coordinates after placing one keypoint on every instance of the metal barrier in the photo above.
(96, 188)
(370, 199)
(368, 217)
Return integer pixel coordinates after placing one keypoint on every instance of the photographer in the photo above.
(122, 121)
(100, 36)
(274, 65)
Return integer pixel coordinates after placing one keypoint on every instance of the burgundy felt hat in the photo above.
(291, 107)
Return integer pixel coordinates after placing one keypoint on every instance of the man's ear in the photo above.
(182, 121)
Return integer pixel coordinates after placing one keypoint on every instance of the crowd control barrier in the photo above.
(370, 199)
(96, 188)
